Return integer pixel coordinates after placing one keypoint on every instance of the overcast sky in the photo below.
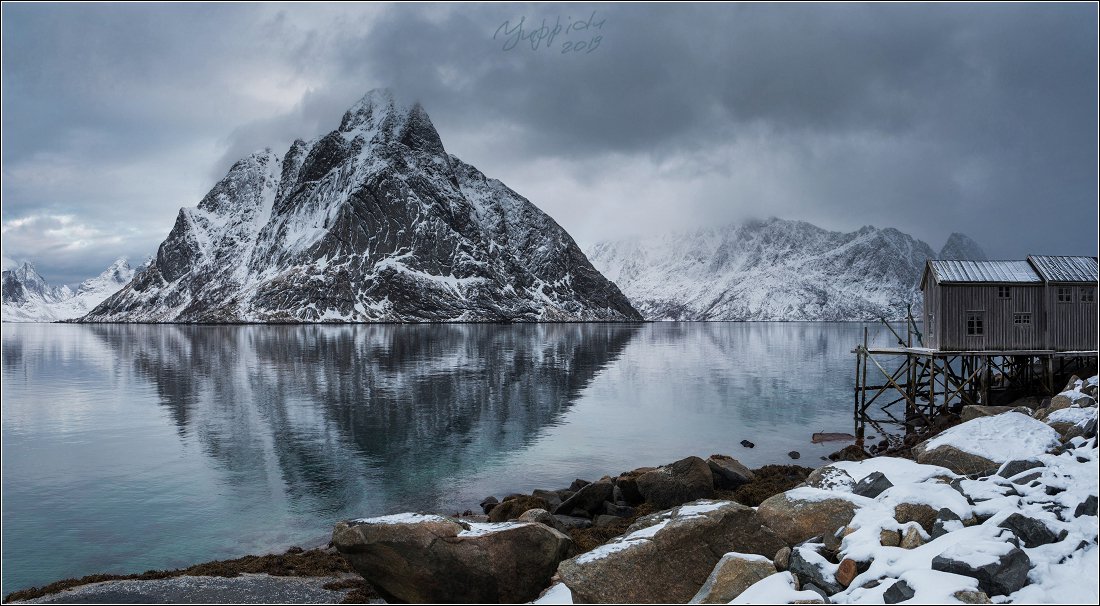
(928, 118)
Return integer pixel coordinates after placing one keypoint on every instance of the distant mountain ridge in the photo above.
(372, 222)
(773, 270)
(28, 297)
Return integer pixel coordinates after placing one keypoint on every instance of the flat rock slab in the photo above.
(245, 589)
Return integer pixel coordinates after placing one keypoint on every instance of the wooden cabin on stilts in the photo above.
(992, 331)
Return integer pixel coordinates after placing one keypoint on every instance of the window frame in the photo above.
(1059, 290)
(1004, 292)
(1017, 316)
(1086, 291)
(975, 323)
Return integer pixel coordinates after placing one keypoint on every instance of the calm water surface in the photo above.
(132, 447)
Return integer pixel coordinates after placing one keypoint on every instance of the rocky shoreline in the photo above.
(1000, 506)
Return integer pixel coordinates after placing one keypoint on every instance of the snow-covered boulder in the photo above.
(667, 556)
(733, 574)
(986, 442)
(803, 513)
(430, 558)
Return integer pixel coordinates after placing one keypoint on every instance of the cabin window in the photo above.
(975, 324)
(1021, 319)
(1065, 294)
(1088, 295)
(1004, 292)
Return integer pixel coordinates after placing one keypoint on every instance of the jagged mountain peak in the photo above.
(28, 297)
(374, 221)
(963, 248)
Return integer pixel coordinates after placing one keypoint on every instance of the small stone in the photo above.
(830, 478)
(819, 591)
(1033, 532)
(920, 513)
(846, 572)
(1006, 575)
(747, 444)
(1017, 466)
(889, 538)
(806, 566)
(604, 520)
(782, 559)
(619, 511)
(511, 509)
(542, 516)
(911, 539)
(1027, 478)
(872, 486)
(946, 521)
(898, 593)
(1086, 507)
(728, 472)
(573, 522)
(488, 504)
(972, 597)
(794, 454)
(733, 574)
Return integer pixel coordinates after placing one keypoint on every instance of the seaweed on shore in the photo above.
(770, 480)
(295, 562)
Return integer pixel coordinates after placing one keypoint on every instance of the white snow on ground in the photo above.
(1077, 416)
(1000, 437)
(898, 471)
(402, 518)
(557, 594)
(478, 529)
(778, 588)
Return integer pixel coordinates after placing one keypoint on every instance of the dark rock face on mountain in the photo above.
(770, 270)
(962, 247)
(373, 222)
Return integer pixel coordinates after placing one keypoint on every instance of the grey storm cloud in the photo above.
(928, 118)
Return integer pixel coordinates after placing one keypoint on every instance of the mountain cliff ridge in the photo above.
(372, 222)
(771, 270)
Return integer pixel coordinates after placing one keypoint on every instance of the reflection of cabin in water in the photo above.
(993, 331)
(1043, 303)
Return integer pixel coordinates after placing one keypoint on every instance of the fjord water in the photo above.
(136, 447)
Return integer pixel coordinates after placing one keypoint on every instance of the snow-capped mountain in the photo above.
(768, 270)
(28, 297)
(960, 246)
(374, 221)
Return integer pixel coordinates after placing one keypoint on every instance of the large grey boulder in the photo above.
(728, 472)
(952, 458)
(733, 574)
(680, 482)
(802, 513)
(589, 498)
(667, 556)
(830, 478)
(431, 559)
(969, 413)
(1001, 575)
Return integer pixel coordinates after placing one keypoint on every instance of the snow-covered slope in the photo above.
(28, 297)
(768, 270)
(374, 221)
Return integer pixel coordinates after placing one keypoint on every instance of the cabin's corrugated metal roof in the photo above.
(1065, 269)
(999, 272)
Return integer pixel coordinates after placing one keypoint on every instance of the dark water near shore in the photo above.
(127, 448)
